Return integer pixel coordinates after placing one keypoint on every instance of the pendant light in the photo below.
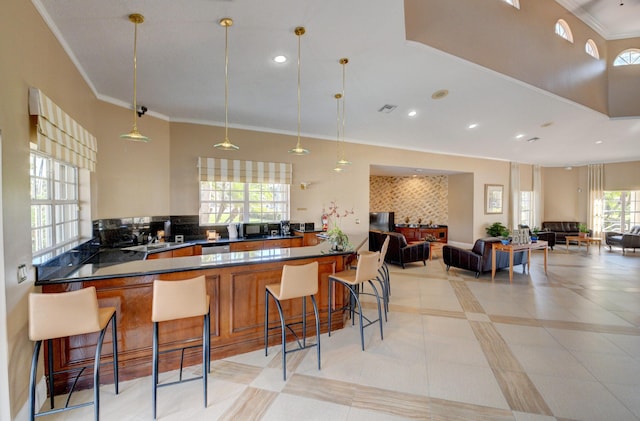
(299, 150)
(342, 161)
(226, 145)
(134, 134)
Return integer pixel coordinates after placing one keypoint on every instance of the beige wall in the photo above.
(160, 177)
(522, 44)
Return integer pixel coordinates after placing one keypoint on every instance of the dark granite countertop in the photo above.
(103, 270)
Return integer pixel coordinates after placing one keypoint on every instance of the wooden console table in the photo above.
(586, 240)
(539, 245)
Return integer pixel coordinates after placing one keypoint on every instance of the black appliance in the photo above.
(285, 228)
(383, 221)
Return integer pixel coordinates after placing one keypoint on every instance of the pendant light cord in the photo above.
(135, 76)
(226, 83)
(298, 144)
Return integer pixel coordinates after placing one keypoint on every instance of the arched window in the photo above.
(514, 3)
(592, 49)
(627, 57)
(563, 30)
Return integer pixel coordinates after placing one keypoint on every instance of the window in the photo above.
(54, 203)
(628, 57)
(526, 208)
(592, 49)
(514, 3)
(621, 210)
(223, 202)
(563, 30)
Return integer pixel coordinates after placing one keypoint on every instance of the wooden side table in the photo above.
(510, 248)
(435, 246)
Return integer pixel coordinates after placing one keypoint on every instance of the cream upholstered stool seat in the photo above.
(173, 300)
(298, 281)
(60, 315)
(366, 271)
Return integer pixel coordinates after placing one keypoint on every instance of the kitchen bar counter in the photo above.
(235, 282)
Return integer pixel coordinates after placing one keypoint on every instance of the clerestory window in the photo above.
(563, 30)
(628, 57)
(592, 49)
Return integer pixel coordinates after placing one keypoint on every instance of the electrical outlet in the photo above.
(22, 273)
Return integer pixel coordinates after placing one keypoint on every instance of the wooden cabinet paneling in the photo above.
(246, 245)
(179, 252)
(418, 233)
(277, 244)
(309, 238)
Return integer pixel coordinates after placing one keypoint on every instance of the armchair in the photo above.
(399, 252)
(625, 240)
(478, 259)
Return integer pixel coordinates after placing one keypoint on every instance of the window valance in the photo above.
(61, 136)
(216, 169)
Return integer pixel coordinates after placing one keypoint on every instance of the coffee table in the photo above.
(585, 240)
(510, 248)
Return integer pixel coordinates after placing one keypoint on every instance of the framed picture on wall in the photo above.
(493, 194)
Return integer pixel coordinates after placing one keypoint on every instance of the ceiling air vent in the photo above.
(387, 108)
(533, 139)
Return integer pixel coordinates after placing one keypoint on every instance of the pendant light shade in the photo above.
(342, 160)
(299, 150)
(226, 145)
(134, 134)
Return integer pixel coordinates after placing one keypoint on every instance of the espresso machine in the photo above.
(285, 228)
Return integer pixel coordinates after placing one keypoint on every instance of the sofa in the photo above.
(548, 236)
(625, 240)
(399, 251)
(478, 259)
(563, 229)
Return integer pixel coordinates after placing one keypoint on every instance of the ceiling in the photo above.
(181, 76)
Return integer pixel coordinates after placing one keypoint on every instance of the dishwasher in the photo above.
(211, 249)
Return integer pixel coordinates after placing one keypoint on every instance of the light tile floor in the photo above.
(565, 346)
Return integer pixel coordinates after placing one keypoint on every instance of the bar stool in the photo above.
(298, 281)
(366, 271)
(60, 315)
(173, 300)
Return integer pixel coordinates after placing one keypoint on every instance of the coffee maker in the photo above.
(285, 228)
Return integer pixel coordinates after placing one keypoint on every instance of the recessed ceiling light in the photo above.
(472, 125)
(598, 142)
(519, 136)
(440, 94)
(279, 59)
(413, 113)
(568, 168)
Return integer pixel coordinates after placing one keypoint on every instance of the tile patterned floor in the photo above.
(565, 346)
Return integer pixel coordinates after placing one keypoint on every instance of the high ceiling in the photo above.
(181, 76)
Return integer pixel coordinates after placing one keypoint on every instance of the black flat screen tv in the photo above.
(383, 221)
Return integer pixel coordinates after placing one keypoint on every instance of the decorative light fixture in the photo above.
(134, 134)
(299, 150)
(342, 161)
(226, 145)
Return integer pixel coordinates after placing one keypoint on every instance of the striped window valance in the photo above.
(216, 169)
(61, 136)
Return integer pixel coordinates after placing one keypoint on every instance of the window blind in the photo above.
(217, 169)
(61, 136)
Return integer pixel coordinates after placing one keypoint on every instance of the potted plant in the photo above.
(497, 230)
(534, 234)
(338, 239)
(584, 231)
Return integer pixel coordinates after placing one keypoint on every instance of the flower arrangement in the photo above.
(339, 240)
